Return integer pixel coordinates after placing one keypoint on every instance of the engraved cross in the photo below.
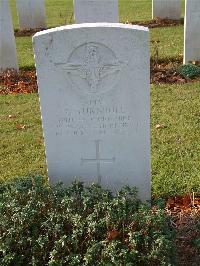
(98, 160)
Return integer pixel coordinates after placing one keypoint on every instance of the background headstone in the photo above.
(31, 14)
(86, 11)
(8, 55)
(94, 94)
(166, 9)
(192, 31)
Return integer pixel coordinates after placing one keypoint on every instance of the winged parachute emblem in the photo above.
(92, 67)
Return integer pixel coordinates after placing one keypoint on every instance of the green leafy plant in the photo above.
(189, 71)
(80, 225)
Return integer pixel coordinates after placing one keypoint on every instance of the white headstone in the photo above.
(94, 94)
(8, 55)
(192, 31)
(170, 9)
(86, 11)
(31, 14)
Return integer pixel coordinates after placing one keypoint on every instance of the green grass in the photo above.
(168, 41)
(175, 148)
(21, 150)
(60, 12)
(25, 52)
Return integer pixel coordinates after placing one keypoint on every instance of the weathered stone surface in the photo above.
(94, 94)
(96, 11)
(8, 57)
(166, 9)
(191, 31)
(31, 14)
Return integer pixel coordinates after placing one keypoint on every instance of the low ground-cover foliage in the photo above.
(189, 71)
(80, 225)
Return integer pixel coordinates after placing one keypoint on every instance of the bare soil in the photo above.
(26, 32)
(25, 81)
(185, 219)
(159, 23)
(12, 82)
(155, 23)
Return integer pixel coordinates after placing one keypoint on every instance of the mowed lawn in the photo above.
(167, 43)
(175, 148)
(60, 12)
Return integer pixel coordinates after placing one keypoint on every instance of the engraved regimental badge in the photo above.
(92, 68)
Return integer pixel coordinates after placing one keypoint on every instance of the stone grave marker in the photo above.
(170, 9)
(191, 31)
(86, 11)
(94, 95)
(8, 55)
(31, 14)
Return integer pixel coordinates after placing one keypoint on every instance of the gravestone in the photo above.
(191, 31)
(86, 11)
(31, 14)
(8, 55)
(170, 9)
(94, 94)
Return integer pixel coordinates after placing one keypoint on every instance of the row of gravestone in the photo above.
(31, 14)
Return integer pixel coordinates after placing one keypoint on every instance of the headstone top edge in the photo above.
(92, 25)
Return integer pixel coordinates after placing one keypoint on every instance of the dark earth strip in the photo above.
(184, 213)
(25, 81)
(159, 23)
(26, 32)
(155, 23)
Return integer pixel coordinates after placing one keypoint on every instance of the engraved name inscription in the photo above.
(94, 118)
